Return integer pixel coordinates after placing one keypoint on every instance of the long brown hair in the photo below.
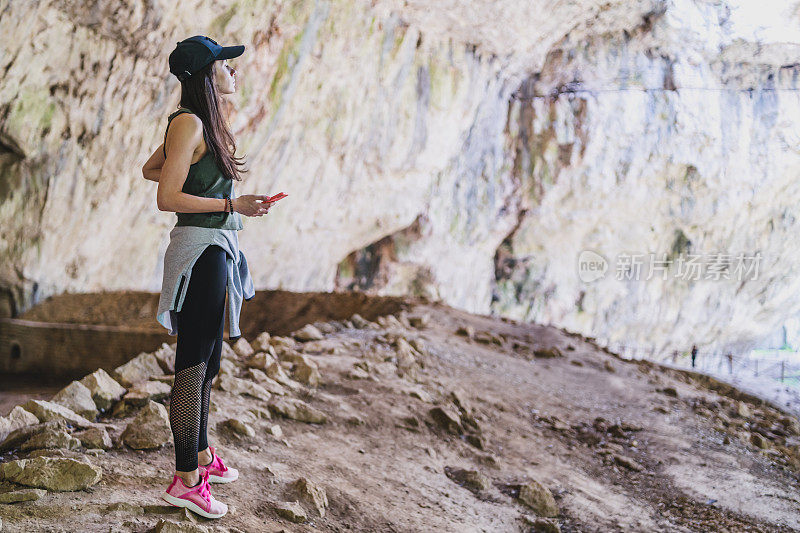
(199, 93)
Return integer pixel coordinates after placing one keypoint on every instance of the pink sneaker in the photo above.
(217, 471)
(197, 498)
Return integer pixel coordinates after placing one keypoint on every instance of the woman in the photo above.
(195, 169)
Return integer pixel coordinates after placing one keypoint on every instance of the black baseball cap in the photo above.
(194, 53)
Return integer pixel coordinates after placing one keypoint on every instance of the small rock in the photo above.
(291, 511)
(150, 429)
(743, 410)
(547, 353)
(306, 371)
(276, 431)
(46, 411)
(538, 497)
(276, 372)
(420, 321)
(297, 410)
(758, 441)
(14, 439)
(243, 348)
(669, 391)
(77, 397)
(628, 463)
(227, 351)
(105, 391)
(312, 493)
(16, 419)
(95, 438)
(243, 386)
(50, 438)
(543, 525)
(609, 367)
(260, 360)
(143, 391)
(165, 356)
(466, 331)
(51, 473)
(141, 368)
(261, 343)
(22, 495)
(237, 427)
(447, 419)
(469, 479)
(308, 333)
(359, 322)
(419, 393)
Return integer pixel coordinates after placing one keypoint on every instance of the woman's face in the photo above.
(224, 76)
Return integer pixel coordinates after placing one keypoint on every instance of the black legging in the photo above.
(197, 355)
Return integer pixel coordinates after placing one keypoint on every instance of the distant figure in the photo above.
(694, 354)
(730, 362)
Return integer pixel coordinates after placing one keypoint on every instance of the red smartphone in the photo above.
(277, 197)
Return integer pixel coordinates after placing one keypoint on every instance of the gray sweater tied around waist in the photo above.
(186, 244)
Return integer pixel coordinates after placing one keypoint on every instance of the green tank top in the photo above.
(205, 179)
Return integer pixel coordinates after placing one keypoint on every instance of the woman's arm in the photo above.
(183, 137)
(152, 168)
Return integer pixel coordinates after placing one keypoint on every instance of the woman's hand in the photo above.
(251, 205)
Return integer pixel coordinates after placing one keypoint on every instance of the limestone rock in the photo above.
(46, 411)
(141, 368)
(420, 321)
(538, 497)
(78, 398)
(466, 331)
(548, 353)
(15, 439)
(95, 438)
(144, 391)
(22, 495)
(359, 322)
(261, 343)
(51, 473)
(628, 463)
(291, 511)
(50, 438)
(297, 410)
(276, 372)
(311, 493)
(268, 383)
(16, 419)
(447, 419)
(306, 371)
(165, 355)
(308, 333)
(105, 390)
(237, 427)
(275, 431)
(227, 351)
(260, 360)
(243, 348)
(243, 386)
(469, 479)
(150, 428)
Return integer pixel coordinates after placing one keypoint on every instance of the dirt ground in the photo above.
(571, 422)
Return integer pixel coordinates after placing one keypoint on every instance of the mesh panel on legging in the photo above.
(212, 369)
(200, 324)
(184, 415)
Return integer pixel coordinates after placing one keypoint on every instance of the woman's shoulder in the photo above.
(181, 110)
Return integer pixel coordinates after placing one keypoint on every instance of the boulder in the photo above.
(46, 411)
(141, 368)
(297, 410)
(14, 439)
(104, 389)
(150, 429)
(16, 419)
(78, 398)
(51, 473)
